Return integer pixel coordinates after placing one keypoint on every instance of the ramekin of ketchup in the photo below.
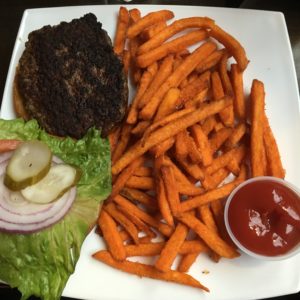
(262, 216)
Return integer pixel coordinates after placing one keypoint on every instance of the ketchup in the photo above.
(264, 216)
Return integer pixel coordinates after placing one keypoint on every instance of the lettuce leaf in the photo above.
(40, 263)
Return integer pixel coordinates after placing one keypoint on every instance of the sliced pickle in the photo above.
(59, 179)
(29, 163)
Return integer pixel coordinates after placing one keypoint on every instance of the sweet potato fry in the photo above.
(168, 104)
(207, 217)
(274, 166)
(257, 97)
(219, 138)
(125, 236)
(181, 148)
(133, 45)
(198, 99)
(234, 165)
(243, 173)
(125, 175)
(237, 134)
(193, 76)
(163, 73)
(126, 61)
(189, 189)
(122, 26)
(219, 176)
(183, 53)
(217, 208)
(211, 61)
(114, 138)
(120, 218)
(143, 183)
(179, 74)
(143, 85)
(187, 261)
(193, 170)
(209, 125)
(134, 14)
(218, 126)
(162, 200)
(212, 181)
(153, 249)
(140, 197)
(238, 90)
(132, 209)
(208, 236)
(217, 87)
(231, 44)
(165, 229)
(111, 235)
(222, 160)
(145, 239)
(143, 171)
(177, 61)
(194, 88)
(169, 130)
(147, 249)
(164, 121)
(226, 115)
(185, 187)
(147, 21)
(143, 227)
(140, 128)
(171, 47)
(143, 270)
(151, 31)
(172, 29)
(163, 147)
(171, 188)
(122, 144)
(223, 72)
(209, 196)
(153, 68)
(203, 144)
(194, 153)
(171, 248)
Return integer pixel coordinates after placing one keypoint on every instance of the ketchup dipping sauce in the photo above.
(262, 216)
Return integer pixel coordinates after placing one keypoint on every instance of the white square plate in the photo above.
(265, 38)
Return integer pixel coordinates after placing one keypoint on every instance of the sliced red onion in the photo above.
(21, 216)
(26, 212)
(5, 156)
(34, 227)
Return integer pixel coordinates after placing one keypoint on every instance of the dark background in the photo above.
(10, 17)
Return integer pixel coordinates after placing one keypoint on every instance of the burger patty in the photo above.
(70, 79)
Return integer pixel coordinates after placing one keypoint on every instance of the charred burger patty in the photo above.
(69, 79)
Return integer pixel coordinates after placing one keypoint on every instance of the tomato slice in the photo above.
(8, 145)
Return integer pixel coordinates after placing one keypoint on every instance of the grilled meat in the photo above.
(69, 79)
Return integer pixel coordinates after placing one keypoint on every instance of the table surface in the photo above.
(11, 13)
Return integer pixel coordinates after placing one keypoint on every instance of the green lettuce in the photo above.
(40, 263)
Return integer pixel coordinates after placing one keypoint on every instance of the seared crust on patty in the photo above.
(69, 79)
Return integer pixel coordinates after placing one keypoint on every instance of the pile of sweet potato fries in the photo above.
(188, 140)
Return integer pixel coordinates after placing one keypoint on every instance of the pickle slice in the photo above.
(29, 163)
(59, 179)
